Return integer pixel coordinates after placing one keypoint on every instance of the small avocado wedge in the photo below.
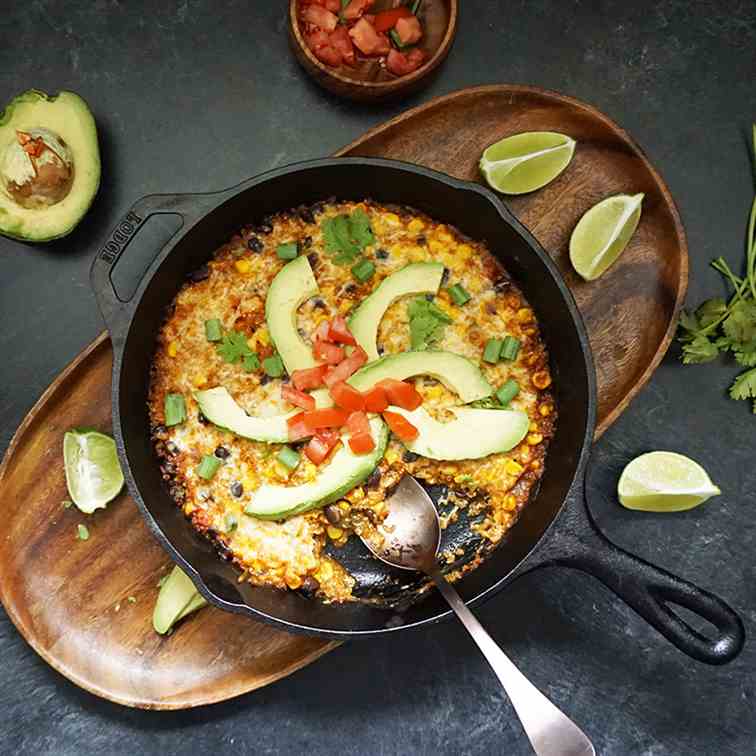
(416, 278)
(345, 471)
(292, 285)
(177, 598)
(474, 433)
(49, 165)
(221, 409)
(457, 373)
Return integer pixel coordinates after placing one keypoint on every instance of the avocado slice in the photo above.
(177, 598)
(220, 408)
(474, 433)
(345, 471)
(49, 165)
(292, 285)
(457, 373)
(416, 278)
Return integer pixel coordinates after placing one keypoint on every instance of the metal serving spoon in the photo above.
(409, 539)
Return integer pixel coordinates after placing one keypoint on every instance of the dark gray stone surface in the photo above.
(197, 95)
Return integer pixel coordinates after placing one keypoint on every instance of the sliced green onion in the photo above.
(82, 532)
(213, 330)
(415, 7)
(510, 348)
(231, 523)
(288, 457)
(458, 294)
(251, 363)
(507, 392)
(273, 366)
(287, 251)
(175, 409)
(492, 351)
(208, 467)
(397, 39)
(363, 270)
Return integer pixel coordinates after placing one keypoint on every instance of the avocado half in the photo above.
(49, 165)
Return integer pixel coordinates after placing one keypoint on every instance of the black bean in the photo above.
(202, 419)
(319, 303)
(333, 514)
(349, 288)
(265, 378)
(421, 240)
(222, 453)
(430, 297)
(312, 258)
(171, 448)
(381, 254)
(158, 430)
(306, 214)
(375, 478)
(409, 456)
(255, 243)
(445, 276)
(502, 284)
(309, 587)
(168, 468)
(381, 350)
(200, 274)
(237, 489)
(307, 242)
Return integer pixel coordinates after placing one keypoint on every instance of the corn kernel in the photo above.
(358, 494)
(392, 457)
(172, 349)
(391, 218)
(512, 467)
(281, 470)
(534, 439)
(344, 306)
(252, 342)
(541, 379)
(533, 427)
(243, 266)
(464, 251)
(524, 315)
(435, 246)
(293, 581)
(510, 503)
(535, 465)
(545, 410)
(344, 506)
(415, 225)
(324, 572)
(334, 533)
(262, 336)
(199, 381)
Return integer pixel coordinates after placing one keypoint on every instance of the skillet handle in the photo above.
(153, 221)
(647, 589)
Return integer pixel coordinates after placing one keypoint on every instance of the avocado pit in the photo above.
(37, 169)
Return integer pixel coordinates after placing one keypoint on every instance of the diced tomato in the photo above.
(357, 423)
(310, 378)
(344, 369)
(376, 399)
(325, 418)
(347, 397)
(318, 16)
(342, 43)
(297, 427)
(297, 398)
(386, 20)
(320, 445)
(316, 39)
(329, 353)
(321, 332)
(409, 29)
(332, 5)
(339, 331)
(362, 443)
(330, 435)
(400, 63)
(400, 426)
(367, 40)
(328, 55)
(356, 8)
(401, 393)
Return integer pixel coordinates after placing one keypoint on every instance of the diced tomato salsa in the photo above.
(325, 418)
(400, 426)
(401, 393)
(347, 397)
(310, 378)
(320, 445)
(297, 398)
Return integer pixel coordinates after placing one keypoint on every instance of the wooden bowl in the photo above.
(367, 82)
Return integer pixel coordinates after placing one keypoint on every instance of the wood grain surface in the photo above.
(69, 598)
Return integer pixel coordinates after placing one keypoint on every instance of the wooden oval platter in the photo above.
(86, 606)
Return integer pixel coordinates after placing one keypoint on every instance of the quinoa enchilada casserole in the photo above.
(319, 356)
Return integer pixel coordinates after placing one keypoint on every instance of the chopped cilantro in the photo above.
(426, 321)
(233, 348)
(346, 236)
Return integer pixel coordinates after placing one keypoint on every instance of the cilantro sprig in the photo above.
(426, 322)
(719, 326)
(346, 236)
(233, 348)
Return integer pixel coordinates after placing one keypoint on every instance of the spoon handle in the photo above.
(550, 731)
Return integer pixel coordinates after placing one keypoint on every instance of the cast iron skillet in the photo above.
(555, 528)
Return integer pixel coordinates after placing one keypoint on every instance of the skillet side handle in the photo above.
(155, 219)
(650, 590)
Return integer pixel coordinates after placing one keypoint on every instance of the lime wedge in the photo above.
(93, 475)
(525, 162)
(664, 482)
(603, 232)
(177, 598)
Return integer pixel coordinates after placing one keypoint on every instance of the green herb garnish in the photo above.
(426, 322)
(507, 392)
(233, 347)
(288, 457)
(346, 236)
(131, 599)
(363, 270)
(251, 362)
(230, 524)
(458, 294)
(510, 348)
(208, 467)
(720, 326)
(287, 251)
(273, 366)
(415, 7)
(213, 330)
(492, 350)
(175, 409)
(396, 39)
(82, 532)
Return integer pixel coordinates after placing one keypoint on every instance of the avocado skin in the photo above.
(9, 229)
